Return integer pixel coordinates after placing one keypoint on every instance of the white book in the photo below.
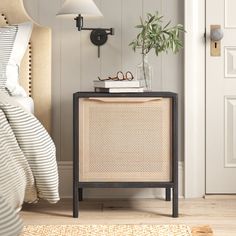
(116, 84)
(119, 90)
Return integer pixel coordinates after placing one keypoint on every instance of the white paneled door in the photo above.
(221, 97)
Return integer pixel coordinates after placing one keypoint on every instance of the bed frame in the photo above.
(35, 70)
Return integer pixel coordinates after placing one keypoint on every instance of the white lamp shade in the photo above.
(76, 7)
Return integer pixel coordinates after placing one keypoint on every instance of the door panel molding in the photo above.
(230, 62)
(230, 131)
(229, 14)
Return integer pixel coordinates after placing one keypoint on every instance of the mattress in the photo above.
(26, 102)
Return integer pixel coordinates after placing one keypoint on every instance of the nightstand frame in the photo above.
(173, 184)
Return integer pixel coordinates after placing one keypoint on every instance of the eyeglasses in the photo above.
(120, 76)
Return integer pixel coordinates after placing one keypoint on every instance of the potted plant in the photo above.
(154, 35)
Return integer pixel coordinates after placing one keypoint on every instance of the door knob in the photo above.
(216, 34)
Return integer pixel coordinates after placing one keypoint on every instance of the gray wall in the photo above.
(75, 62)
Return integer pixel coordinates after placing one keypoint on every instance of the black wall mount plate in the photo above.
(98, 37)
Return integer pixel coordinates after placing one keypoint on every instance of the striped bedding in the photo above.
(7, 38)
(28, 169)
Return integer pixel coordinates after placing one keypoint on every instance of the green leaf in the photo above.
(151, 19)
(167, 25)
(154, 36)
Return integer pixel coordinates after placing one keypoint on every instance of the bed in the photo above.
(28, 168)
(26, 102)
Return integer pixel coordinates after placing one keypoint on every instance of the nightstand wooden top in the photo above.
(145, 94)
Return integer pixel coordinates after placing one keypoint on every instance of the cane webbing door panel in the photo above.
(125, 139)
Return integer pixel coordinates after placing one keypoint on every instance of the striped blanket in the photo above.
(28, 168)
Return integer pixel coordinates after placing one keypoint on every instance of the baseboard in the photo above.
(65, 174)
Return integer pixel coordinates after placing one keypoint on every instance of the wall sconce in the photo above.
(86, 8)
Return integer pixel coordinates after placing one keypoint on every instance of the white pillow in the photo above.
(22, 38)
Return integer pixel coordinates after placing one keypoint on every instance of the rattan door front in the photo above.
(125, 139)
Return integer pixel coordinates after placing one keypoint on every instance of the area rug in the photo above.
(115, 230)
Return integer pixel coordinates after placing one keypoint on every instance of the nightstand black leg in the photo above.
(75, 201)
(75, 158)
(168, 196)
(175, 202)
(75, 206)
(80, 194)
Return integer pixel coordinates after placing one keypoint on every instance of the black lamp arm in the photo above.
(80, 25)
(79, 22)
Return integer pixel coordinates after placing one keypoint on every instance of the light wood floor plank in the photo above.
(219, 213)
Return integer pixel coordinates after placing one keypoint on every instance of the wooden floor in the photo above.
(218, 212)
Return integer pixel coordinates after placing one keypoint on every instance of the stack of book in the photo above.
(114, 86)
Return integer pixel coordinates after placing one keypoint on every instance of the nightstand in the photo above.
(125, 141)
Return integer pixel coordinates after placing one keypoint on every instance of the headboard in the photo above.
(35, 70)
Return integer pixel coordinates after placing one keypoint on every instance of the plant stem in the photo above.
(144, 71)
